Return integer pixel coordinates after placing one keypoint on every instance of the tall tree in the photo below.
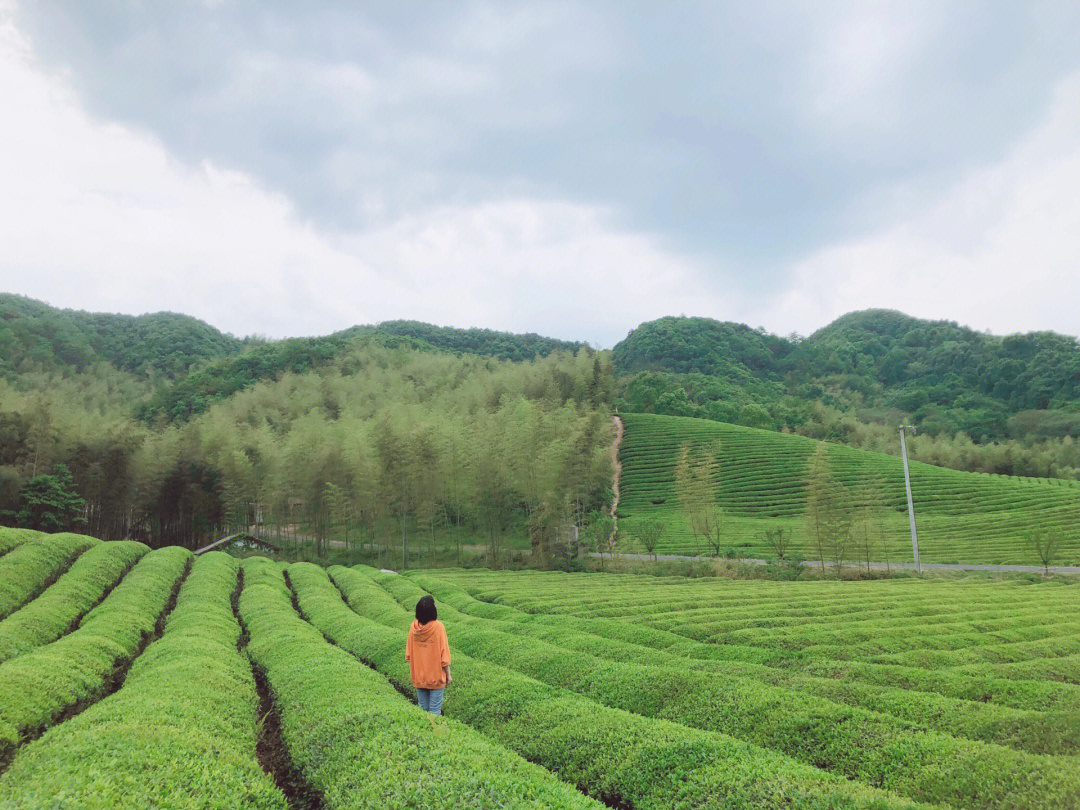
(50, 503)
(696, 486)
(827, 515)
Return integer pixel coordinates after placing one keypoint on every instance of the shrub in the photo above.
(609, 753)
(31, 567)
(183, 726)
(359, 742)
(61, 606)
(76, 670)
(867, 746)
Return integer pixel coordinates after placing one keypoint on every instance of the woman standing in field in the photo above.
(428, 654)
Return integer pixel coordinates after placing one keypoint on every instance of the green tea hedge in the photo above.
(49, 616)
(180, 733)
(76, 670)
(27, 570)
(359, 742)
(609, 753)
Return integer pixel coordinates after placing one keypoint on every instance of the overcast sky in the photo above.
(560, 167)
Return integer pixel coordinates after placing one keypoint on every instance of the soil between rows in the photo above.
(270, 748)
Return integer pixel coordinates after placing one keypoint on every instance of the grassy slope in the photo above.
(962, 517)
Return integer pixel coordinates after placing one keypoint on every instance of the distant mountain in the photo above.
(949, 378)
(865, 368)
(37, 337)
(203, 364)
(504, 345)
(221, 378)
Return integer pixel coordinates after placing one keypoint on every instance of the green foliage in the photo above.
(197, 391)
(854, 379)
(764, 482)
(639, 761)
(50, 502)
(984, 712)
(34, 564)
(74, 671)
(696, 483)
(11, 539)
(62, 604)
(181, 731)
(859, 744)
(641, 691)
(649, 532)
(353, 737)
(37, 337)
(378, 442)
(1045, 544)
(702, 345)
(267, 361)
(485, 342)
(828, 515)
(777, 538)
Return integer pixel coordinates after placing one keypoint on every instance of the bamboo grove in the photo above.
(383, 445)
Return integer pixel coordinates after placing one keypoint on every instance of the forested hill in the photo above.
(982, 402)
(37, 337)
(882, 364)
(265, 361)
(197, 364)
(503, 345)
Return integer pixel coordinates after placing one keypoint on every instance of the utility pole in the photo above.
(910, 506)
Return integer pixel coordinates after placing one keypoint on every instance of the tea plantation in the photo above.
(154, 678)
(762, 482)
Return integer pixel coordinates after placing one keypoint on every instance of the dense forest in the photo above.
(981, 402)
(385, 433)
(163, 428)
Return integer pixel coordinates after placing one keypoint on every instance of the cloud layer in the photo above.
(560, 168)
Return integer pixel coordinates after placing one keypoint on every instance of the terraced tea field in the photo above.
(962, 517)
(141, 678)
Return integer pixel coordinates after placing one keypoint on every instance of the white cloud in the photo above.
(857, 69)
(999, 250)
(545, 266)
(100, 216)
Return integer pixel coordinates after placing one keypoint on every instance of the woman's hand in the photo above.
(449, 678)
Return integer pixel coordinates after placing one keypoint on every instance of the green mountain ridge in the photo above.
(200, 364)
(37, 337)
(947, 378)
(992, 403)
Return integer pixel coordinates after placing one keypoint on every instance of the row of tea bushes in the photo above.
(181, 732)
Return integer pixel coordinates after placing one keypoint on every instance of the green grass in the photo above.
(962, 517)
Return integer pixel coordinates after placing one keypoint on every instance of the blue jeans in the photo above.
(430, 700)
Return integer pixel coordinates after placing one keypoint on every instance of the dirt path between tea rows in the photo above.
(616, 467)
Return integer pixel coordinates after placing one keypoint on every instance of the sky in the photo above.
(567, 168)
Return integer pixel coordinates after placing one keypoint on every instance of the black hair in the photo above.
(425, 610)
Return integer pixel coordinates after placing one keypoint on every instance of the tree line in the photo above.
(382, 446)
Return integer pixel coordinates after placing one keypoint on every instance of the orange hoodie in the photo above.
(427, 652)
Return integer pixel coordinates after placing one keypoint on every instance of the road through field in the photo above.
(877, 566)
